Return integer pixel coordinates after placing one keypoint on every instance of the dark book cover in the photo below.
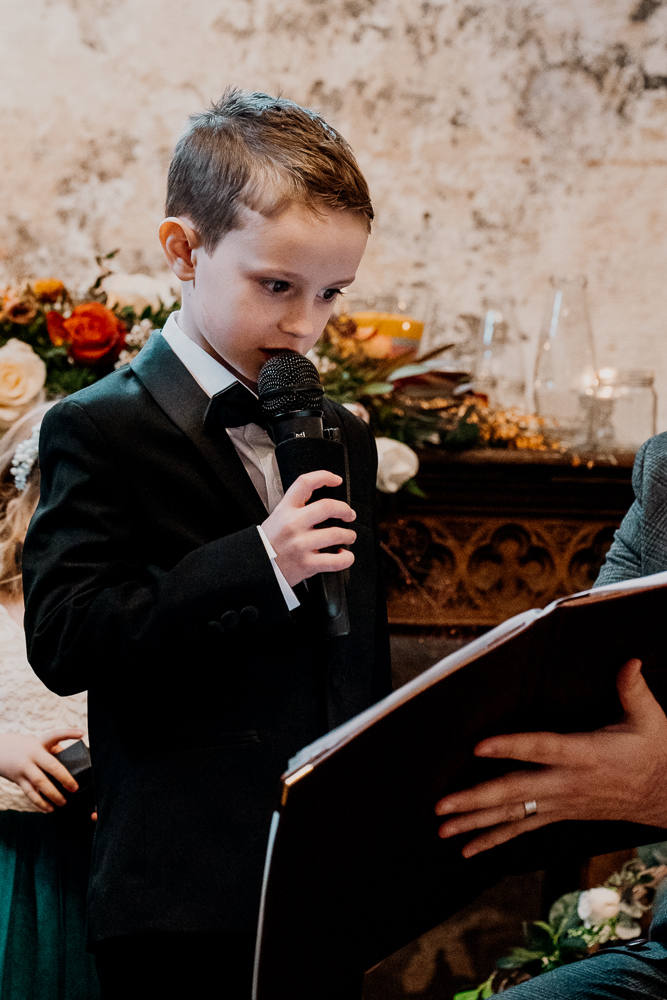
(355, 866)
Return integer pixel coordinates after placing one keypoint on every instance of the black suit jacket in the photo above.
(146, 583)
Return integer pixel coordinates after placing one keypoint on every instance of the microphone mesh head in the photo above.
(287, 382)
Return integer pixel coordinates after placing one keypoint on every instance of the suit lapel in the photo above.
(176, 392)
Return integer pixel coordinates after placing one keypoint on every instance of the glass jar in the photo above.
(622, 410)
(565, 363)
(500, 362)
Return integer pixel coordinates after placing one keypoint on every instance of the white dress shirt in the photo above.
(253, 444)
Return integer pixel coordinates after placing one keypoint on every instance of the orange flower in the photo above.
(18, 310)
(92, 333)
(55, 324)
(49, 289)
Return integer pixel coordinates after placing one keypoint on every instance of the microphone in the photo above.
(292, 401)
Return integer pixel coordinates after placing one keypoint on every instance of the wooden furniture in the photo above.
(498, 532)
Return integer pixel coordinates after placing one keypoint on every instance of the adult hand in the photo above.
(293, 532)
(616, 773)
(26, 760)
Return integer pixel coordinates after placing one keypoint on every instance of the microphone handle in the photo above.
(302, 447)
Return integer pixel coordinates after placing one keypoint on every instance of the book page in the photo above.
(610, 590)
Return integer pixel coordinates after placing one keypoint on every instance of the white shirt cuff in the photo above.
(291, 600)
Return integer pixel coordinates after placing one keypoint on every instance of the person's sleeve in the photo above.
(624, 561)
(96, 605)
(291, 600)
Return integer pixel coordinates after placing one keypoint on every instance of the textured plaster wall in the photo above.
(504, 140)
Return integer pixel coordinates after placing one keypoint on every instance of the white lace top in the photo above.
(26, 705)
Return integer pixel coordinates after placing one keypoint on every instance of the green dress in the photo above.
(43, 875)
(44, 859)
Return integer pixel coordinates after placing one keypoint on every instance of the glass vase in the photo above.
(565, 365)
(500, 363)
(622, 410)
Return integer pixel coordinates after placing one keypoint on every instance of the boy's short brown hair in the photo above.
(263, 153)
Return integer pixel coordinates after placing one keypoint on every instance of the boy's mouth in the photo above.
(271, 351)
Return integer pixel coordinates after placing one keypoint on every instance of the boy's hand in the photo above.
(26, 760)
(293, 532)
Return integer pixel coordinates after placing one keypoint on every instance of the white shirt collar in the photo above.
(209, 373)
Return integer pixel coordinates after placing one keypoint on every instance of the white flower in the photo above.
(322, 363)
(396, 464)
(24, 458)
(137, 291)
(627, 931)
(596, 906)
(22, 377)
(139, 334)
(359, 411)
(125, 357)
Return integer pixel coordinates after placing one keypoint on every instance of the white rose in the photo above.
(359, 411)
(22, 378)
(396, 464)
(137, 291)
(627, 931)
(598, 905)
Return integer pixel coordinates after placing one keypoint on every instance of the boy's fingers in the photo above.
(326, 537)
(323, 510)
(329, 562)
(303, 488)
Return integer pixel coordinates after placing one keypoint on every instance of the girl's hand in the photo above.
(27, 760)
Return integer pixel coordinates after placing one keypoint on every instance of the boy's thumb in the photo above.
(634, 692)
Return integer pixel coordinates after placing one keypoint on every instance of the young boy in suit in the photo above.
(164, 568)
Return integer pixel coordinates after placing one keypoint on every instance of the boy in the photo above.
(164, 568)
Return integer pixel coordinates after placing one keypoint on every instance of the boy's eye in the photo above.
(331, 293)
(277, 286)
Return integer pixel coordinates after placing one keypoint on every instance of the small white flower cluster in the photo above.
(24, 458)
(139, 334)
(322, 363)
(135, 340)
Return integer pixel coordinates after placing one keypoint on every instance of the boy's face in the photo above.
(271, 285)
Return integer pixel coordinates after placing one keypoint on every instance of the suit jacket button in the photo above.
(249, 615)
(230, 619)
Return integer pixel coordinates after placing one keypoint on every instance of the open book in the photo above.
(354, 859)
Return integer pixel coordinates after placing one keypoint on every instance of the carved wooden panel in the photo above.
(443, 569)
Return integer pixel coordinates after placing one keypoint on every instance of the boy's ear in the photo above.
(179, 240)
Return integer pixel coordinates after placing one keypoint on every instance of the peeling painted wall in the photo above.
(504, 140)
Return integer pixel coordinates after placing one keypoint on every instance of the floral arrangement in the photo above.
(579, 924)
(405, 401)
(53, 343)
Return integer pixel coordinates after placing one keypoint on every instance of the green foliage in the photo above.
(480, 993)
(563, 914)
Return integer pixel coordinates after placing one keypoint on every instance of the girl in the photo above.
(44, 851)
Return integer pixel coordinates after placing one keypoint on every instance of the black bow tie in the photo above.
(234, 406)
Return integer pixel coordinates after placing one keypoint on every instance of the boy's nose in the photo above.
(298, 323)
